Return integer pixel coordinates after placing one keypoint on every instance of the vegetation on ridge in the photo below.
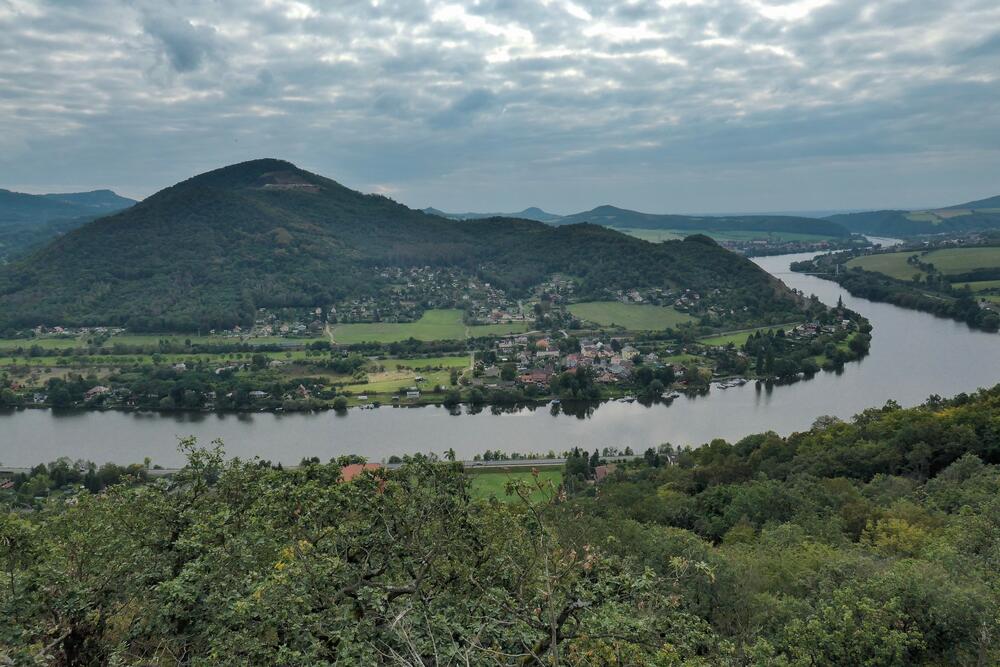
(870, 542)
(208, 252)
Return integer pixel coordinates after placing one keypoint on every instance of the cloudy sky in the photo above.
(667, 106)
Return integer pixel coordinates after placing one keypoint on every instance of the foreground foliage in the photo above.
(873, 542)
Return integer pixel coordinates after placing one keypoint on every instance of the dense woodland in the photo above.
(208, 252)
(869, 542)
(29, 221)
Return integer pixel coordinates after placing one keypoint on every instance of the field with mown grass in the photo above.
(634, 317)
(444, 324)
(982, 285)
(737, 338)
(492, 483)
(946, 260)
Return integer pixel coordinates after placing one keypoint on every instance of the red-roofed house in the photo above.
(349, 472)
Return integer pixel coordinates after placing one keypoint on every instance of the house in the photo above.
(258, 394)
(94, 392)
(349, 472)
(413, 393)
(539, 377)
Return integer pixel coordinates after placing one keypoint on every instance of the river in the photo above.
(913, 355)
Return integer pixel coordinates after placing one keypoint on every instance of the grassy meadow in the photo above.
(634, 317)
(432, 325)
(492, 483)
(737, 338)
(946, 260)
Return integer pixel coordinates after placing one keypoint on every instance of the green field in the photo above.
(947, 261)
(432, 325)
(151, 341)
(392, 381)
(630, 316)
(982, 285)
(45, 343)
(658, 235)
(737, 338)
(487, 484)
(428, 362)
(891, 264)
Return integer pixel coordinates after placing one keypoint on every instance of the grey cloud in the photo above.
(185, 45)
(464, 109)
(703, 105)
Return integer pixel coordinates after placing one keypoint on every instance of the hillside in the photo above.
(973, 216)
(208, 252)
(989, 202)
(29, 220)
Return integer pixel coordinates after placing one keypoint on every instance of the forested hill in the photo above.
(980, 215)
(209, 251)
(29, 220)
(26, 207)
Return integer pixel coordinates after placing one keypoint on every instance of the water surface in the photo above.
(913, 355)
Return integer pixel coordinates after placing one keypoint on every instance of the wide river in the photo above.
(913, 355)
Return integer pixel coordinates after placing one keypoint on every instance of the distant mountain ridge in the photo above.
(973, 216)
(28, 220)
(530, 213)
(211, 250)
(620, 218)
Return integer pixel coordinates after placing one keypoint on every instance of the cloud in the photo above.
(185, 45)
(464, 109)
(655, 104)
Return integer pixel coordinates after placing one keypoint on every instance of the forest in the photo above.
(872, 541)
(208, 252)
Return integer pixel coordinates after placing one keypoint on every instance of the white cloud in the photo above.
(486, 104)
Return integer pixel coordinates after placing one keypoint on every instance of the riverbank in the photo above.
(912, 355)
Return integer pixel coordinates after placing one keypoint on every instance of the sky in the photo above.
(661, 106)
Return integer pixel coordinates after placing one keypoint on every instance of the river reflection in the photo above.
(913, 355)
